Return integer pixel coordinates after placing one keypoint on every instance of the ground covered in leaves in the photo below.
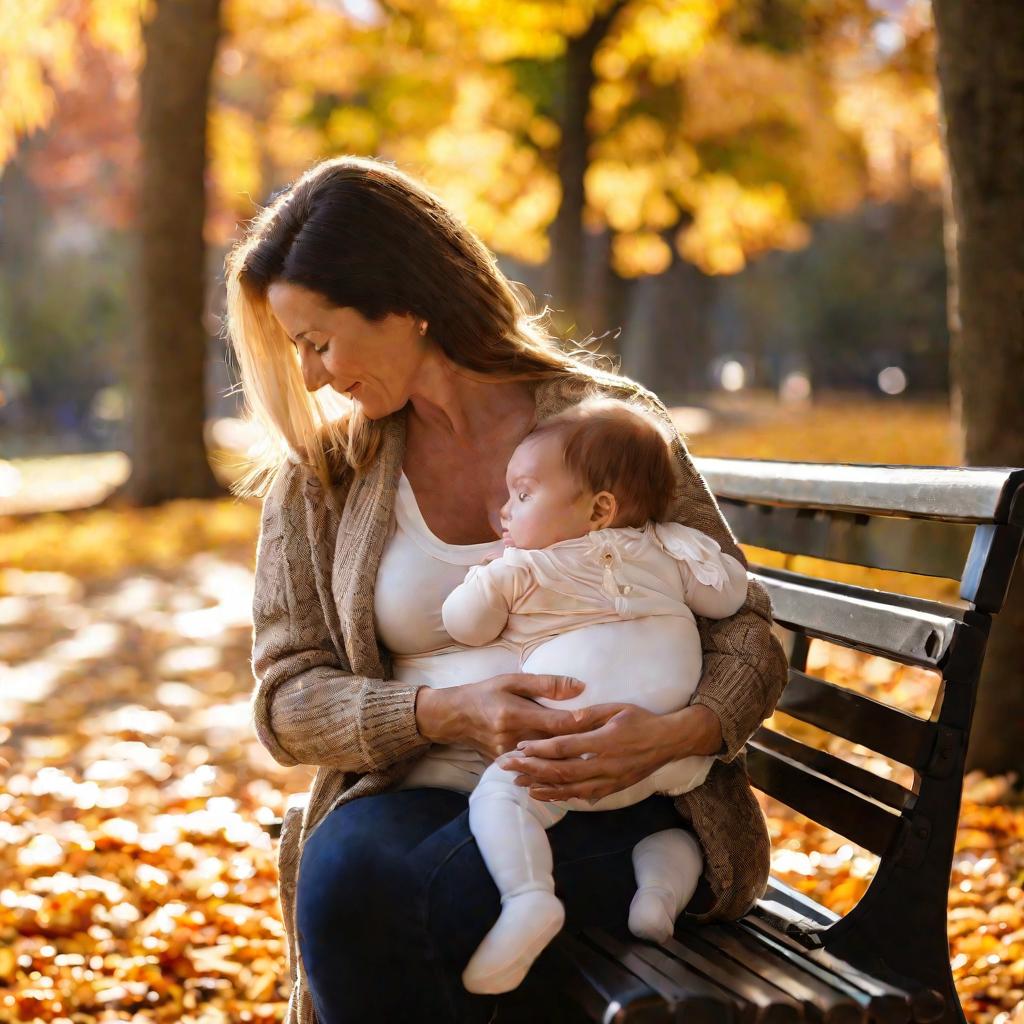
(136, 882)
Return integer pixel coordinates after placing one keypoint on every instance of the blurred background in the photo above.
(747, 202)
(743, 200)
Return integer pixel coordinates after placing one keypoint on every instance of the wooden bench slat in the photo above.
(821, 1000)
(689, 995)
(739, 1011)
(990, 565)
(604, 988)
(800, 903)
(924, 547)
(956, 612)
(846, 811)
(884, 1004)
(886, 730)
(950, 493)
(861, 618)
(771, 1004)
(838, 769)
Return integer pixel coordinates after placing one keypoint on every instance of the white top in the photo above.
(417, 572)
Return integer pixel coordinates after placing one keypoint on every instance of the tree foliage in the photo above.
(723, 127)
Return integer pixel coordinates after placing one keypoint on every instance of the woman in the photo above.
(358, 281)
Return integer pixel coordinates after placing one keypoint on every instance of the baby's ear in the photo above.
(604, 509)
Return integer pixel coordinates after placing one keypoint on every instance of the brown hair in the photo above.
(363, 234)
(617, 445)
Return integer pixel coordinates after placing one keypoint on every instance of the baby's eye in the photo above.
(523, 495)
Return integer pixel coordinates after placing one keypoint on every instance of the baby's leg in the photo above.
(667, 866)
(509, 825)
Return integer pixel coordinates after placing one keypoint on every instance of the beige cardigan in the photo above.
(324, 694)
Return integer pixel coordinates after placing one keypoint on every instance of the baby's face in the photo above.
(541, 508)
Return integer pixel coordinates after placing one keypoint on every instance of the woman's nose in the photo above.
(314, 374)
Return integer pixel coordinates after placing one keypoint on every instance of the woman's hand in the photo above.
(621, 744)
(493, 715)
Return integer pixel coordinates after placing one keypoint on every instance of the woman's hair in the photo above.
(617, 445)
(363, 234)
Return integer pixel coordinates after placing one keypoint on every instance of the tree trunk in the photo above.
(981, 75)
(567, 242)
(168, 400)
(672, 348)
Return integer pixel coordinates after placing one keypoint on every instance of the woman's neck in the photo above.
(448, 404)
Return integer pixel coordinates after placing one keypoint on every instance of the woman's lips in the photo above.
(351, 389)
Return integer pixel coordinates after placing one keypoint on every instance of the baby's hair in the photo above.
(617, 445)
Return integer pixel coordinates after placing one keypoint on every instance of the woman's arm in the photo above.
(308, 707)
(745, 668)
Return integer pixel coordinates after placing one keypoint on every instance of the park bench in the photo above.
(791, 959)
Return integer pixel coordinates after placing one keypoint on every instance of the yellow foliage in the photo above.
(643, 252)
(898, 124)
(353, 130)
(235, 162)
(37, 56)
(646, 167)
(105, 542)
(733, 222)
(620, 188)
(478, 160)
(115, 25)
(666, 35)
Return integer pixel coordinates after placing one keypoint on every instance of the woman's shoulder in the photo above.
(295, 481)
(584, 382)
(283, 493)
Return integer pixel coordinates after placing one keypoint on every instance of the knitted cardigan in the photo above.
(325, 695)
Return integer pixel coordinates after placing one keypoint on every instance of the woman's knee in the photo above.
(347, 881)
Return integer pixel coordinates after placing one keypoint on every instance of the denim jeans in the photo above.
(393, 898)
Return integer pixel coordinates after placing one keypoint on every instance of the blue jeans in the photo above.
(393, 898)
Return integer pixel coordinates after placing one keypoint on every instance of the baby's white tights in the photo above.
(667, 866)
(509, 827)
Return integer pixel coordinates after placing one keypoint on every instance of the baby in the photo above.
(592, 584)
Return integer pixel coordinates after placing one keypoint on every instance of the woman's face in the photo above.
(375, 363)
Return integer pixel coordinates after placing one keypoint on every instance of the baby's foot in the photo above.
(526, 925)
(651, 914)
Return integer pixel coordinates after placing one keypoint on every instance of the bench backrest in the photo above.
(954, 523)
